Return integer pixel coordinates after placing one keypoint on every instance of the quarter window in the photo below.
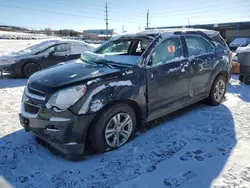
(197, 46)
(168, 51)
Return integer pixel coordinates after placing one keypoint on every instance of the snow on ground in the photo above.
(20, 35)
(198, 147)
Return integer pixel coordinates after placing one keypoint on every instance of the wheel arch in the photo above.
(133, 104)
(28, 62)
(221, 73)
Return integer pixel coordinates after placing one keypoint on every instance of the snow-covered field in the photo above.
(21, 35)
(198, 147)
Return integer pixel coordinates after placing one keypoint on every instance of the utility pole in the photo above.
(139, 28)
(106, 18)
(147, 24)
(188, 22)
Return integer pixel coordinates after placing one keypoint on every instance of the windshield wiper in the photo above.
(104, 63)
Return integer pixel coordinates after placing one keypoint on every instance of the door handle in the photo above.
(152, 76)
(185, 66)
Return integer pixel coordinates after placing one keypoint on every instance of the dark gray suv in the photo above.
(102, 97)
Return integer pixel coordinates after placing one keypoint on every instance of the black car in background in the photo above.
(42, 55)
(101, 99)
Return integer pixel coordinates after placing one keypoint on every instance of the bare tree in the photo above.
(48, 31)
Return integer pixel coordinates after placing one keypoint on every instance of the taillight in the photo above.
(231, 54)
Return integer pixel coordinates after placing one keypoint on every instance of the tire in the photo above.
(241, 78)
(30, 68)
(104, 131)
(247, 80)
(216, 96)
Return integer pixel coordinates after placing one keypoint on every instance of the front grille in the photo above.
(33, 109)
(36, 92)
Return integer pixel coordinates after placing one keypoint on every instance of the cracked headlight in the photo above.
(65, 98)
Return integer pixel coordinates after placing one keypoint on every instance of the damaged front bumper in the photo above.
(64, 131)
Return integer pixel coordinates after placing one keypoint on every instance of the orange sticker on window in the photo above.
(171, 49)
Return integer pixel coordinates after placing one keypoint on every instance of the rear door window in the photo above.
(197, 46)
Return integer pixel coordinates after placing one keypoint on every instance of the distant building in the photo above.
(98, 34)
(229, 31)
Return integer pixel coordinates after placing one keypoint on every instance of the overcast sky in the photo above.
(90, 14)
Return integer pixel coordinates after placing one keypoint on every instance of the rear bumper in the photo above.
(64, 131)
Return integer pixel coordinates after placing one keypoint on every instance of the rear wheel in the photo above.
(247, 80)
(30, 68)
(241, 78)
(115, 127)
(218, 91)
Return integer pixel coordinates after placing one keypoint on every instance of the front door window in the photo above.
(168, 51)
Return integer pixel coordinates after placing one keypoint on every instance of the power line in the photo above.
(198, 12)
(220, 20)
(212, 21)
(65, 14)
(85, 9)
(198, 8)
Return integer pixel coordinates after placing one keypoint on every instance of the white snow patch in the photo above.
(84, 109)
(96, 105)
(174, 69)
(85, 106)
(93, 81)
(121, 83)
(127, 72)
(232, 100)
(95, 72)
(192, 57)
(73, 75)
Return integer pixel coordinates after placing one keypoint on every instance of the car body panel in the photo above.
(152, 91)
(15, 62)
(167, 86)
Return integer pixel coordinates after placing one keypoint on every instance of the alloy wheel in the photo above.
(219, 90)
(118, 130)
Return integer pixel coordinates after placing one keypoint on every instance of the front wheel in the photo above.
(247, 80)
(115, 127)
(30, 68)
(241, 78)
(218, 91)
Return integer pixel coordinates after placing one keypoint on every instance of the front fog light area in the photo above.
(65, 98)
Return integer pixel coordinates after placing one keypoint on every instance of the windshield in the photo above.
(240, 41)
(121, 50)
(125, 46)
(40, 46)
(91, 57)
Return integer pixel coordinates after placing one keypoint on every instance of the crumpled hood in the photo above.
(65, 74)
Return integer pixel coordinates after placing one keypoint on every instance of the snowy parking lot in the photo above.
(200, 146)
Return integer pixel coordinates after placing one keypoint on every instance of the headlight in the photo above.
(65, 98)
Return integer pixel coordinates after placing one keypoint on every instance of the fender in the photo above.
(131, 86)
